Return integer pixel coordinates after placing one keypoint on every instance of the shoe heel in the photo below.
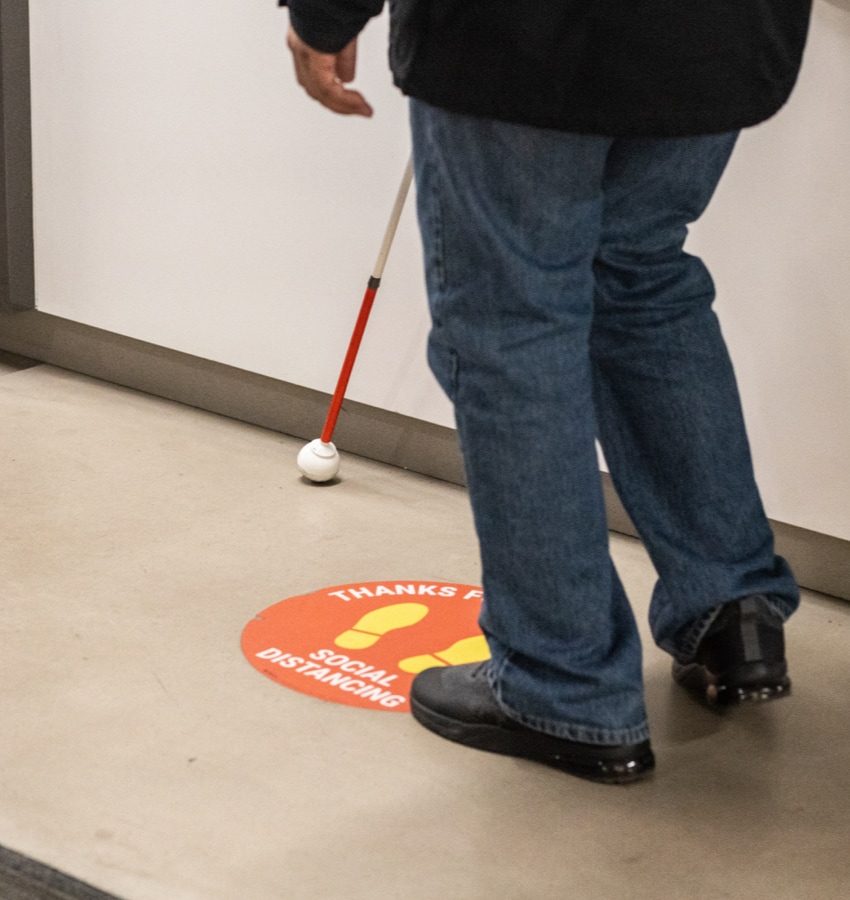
(748, 683)
(754, 682)
(733, 695)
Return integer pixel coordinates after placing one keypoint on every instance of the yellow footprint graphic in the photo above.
(375, 624)
(467, 650)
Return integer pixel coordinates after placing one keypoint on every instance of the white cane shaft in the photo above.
(393, 223)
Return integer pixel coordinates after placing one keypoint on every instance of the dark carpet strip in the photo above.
(22, 878)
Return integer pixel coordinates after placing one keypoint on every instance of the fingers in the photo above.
(322, 75)
(346, 62)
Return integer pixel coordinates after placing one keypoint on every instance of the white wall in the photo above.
(188, 194)
(778, 240)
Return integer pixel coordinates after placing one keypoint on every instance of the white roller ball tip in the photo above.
(318, 461)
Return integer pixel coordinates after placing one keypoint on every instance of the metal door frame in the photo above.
(17, 285)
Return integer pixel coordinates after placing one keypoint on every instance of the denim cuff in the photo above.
(581, 733)
(688, 639)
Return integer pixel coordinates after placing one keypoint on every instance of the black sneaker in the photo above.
(458, 703)
(741, 658)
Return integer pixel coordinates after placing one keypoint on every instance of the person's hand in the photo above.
(324, 76)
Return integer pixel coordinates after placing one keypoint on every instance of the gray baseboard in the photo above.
(363, 430)
(821, 562)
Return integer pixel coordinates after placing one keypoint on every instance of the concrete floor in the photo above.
(140, 752)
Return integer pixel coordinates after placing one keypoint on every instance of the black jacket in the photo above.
(656, 68)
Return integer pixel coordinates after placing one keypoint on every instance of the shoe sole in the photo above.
(538, 747)
(720, 692)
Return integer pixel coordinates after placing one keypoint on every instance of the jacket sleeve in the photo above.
(328, 25)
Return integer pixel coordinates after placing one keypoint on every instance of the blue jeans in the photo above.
(565, 309)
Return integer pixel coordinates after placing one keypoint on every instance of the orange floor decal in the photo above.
(362, 644)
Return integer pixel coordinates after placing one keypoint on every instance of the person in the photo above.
(561, 150)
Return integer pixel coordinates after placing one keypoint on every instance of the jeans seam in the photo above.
(455, 374)
(439, 257)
